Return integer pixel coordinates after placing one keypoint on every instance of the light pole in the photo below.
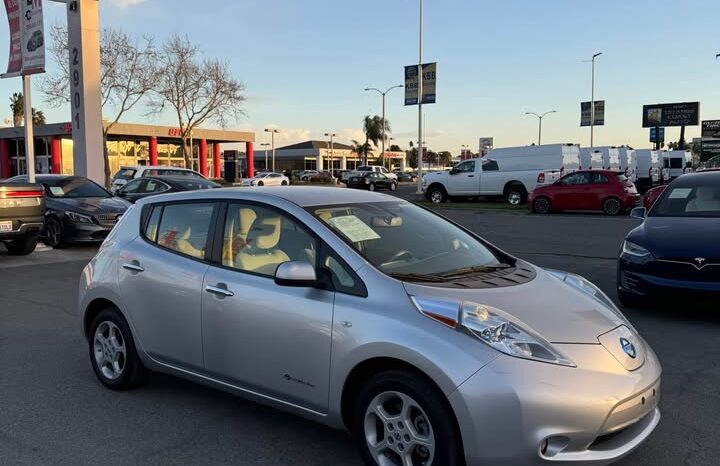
(383, 94)
(192, 154)
(272, 139)
(540, 117)
(463, 150)
(265, 145)
(592, 102)
(420, 96)
(332, 168)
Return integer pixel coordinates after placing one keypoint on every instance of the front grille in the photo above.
(107, 220)
(688, 269)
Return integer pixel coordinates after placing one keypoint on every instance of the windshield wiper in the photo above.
(417, 277)
(474, 269)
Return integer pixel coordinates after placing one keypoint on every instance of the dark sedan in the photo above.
(371, 181)
(77, 210)
(406, 176)
(153, 185)
(676, 250)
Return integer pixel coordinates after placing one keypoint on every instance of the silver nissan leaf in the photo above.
(368, 313)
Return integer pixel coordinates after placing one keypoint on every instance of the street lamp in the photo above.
(331, 136)
(540, 117)
(383, 94)
(272, 139)
(592, 102)
(265, 145)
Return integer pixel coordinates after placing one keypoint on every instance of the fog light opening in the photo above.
(551, 446)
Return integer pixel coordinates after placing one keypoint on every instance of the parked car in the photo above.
(371, 181)
(510, 172)
(267, 179)
(127, 173)
(153, 185)
(281, 296)
(675, 251)
(376, 169)
(605, 190)
(406, 176)
(22, 208)
(77, 210)
(36, 41)
(306, 175)
(652, 195)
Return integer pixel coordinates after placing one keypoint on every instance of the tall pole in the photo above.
(192, 153)
(383, 94)
(266, 145)
(540, 118)
(272, 138)
(29, 141)
(592, 103)
(332, 151)
(540, 131)
(420, 95)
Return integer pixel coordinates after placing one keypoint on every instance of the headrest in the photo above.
(265, 233)
(246, 218)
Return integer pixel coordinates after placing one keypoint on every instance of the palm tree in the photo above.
(361, 150)
(373, 129)
(38, 117)
(18, 108)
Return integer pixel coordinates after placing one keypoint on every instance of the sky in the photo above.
(305, 64)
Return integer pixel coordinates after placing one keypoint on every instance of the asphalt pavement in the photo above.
(54, 412)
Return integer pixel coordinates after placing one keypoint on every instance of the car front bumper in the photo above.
(592, 414)
(84, 232)
(639, 280)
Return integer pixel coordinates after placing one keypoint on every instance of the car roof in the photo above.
(175, 178)
(697, 179)
(303, 196)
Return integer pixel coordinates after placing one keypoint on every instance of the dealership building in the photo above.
(127, 144)
(320, 155)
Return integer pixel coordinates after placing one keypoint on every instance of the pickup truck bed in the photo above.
(22, 216)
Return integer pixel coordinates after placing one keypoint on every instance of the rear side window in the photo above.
(676, 163)
(183, 228)
(621, 178)
(599, 178)
(490, 166)
(125, 174)
(152, 224)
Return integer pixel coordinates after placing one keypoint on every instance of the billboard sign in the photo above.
(27, 37)
(599, 113)
(678, 114)
(711, 129)
(429, 77)
(486, 143)
(654, 137)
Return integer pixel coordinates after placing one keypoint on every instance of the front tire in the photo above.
(400, 419)
(541, 205)
(113, 356)
(612, 206)
(437, 195)
(260, 183)
(22, 246)
(393, 186)
(284, 183)
(371, 187)
(53, 233)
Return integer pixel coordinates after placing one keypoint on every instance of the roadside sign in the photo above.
(654, 135)
(429, 76)
(678, 114)
(599, 113)
(486, 144)
(711, 129)
(27, 37)
(709, 149)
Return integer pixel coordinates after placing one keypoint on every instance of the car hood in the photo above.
(88, 205)
(679, 236)
(550, 307)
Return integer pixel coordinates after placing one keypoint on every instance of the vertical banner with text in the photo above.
(27, 37)
(429, 75)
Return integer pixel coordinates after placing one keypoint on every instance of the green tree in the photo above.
(395, 148)
(38, 117)
(361, 150)
(373, 129)
(445, 158)
(18, 108)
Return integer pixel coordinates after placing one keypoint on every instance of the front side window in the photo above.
(154, 186)
(132, 186)
(401, 239)
(258, 239)
(576, 178)
(184, 228)
(465, 167)
(696, 201)
(599, 178)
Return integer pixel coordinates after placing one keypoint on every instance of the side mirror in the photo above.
(454, 171)
(638, 212)
(296, 274)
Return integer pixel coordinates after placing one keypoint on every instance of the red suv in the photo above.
(605, 190)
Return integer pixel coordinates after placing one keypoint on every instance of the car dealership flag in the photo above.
(27, 37)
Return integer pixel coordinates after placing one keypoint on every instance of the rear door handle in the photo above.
(471, 176)
(133, 266)
(219, 290)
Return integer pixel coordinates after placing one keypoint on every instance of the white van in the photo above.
(645, 167)
(675, 163)
(626, 157)
(127, 173)
(591, 159)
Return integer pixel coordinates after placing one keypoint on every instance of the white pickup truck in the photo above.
(509, 172)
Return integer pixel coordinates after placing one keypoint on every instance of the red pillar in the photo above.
(56, 156)
(203, 157)
(250, 158)
(153, 151)
(216, 160)
(4, 159)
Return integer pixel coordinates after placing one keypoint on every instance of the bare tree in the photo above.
(128, 71)
(196, 90)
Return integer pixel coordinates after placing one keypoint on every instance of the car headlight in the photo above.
(590, 289)
(495, 328)
(78, 218)
(633, 249)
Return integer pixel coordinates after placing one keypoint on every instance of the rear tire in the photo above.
(113, 356)
(516, 195)
(260, 183)
(542, 205)
(284, 183)
(22, 246)
(612, 206)
(423, 428)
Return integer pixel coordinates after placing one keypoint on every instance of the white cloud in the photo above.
(127, 3)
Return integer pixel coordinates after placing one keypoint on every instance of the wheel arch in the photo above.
(437, 184)
(513, 183)
(94, 308)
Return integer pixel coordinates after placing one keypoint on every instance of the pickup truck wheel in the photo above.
(22, 246)
(541, 205)
(53, 233)
(515, 195)
(437, 195)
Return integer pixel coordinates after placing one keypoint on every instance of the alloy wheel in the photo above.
(398, 432)
(542, 206)
(514, 198)
(109, 350)
(612, 207)
(53, 232)
(436, 196)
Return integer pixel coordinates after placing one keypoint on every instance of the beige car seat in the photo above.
(236, 234)
(262, 254)
(705, 200)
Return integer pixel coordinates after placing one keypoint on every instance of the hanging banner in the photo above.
(27, 37)
(429, 84)
(599, 113)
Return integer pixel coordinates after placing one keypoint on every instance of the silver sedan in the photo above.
(368, 313)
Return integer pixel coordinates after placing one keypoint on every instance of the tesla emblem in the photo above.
(628, 348)
(700, 262)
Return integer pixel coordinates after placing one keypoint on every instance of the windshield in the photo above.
(400, 238)
(74, 187)
(125, 174)
(690, 201)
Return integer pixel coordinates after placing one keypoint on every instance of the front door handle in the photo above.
(133, 266)
(471, 176)
(220, 290)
